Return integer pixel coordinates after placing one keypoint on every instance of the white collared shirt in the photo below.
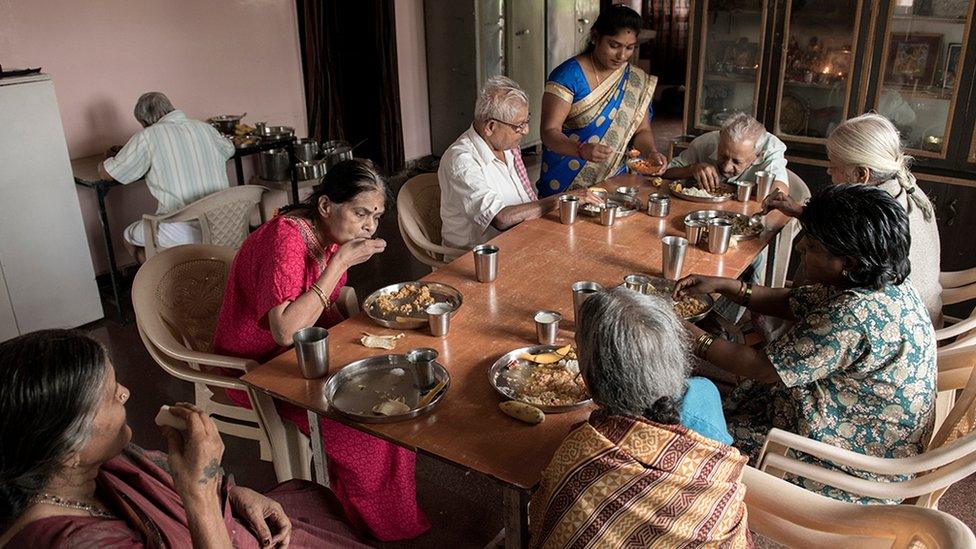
(770, 156)
(475, 186)
(182, 159)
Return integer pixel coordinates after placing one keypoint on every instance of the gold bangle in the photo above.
(326, 302)
(748, 295)
(702, 344)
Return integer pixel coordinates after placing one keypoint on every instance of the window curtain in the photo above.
(352, 91)
(669, 50)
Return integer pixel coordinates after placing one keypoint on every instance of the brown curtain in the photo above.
(669, 50)
(352, 90)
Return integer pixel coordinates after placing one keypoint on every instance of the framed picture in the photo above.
(953, 52)
(912, 58)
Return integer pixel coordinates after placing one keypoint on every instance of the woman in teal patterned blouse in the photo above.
(858, 368)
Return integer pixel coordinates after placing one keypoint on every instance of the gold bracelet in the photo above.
(326, 302)
(748, 295)
(702, 344)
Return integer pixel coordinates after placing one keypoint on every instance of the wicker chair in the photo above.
(419, 218)
(794, 517)
(177, 296)
(224, 217)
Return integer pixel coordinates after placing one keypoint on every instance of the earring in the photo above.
(123, 397)
(76, 463)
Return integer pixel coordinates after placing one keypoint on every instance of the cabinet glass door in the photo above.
(815, 73)
(730, 57)
(923, 45)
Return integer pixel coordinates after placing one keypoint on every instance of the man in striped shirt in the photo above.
(183, 160)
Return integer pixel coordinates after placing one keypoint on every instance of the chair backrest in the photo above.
(224, 216)
(177, 295)
(419, 217)
(793, 516)
(799, 190)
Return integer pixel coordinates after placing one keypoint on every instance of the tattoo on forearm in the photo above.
(210, 471)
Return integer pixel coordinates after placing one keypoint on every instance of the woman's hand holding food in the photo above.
(701, 284)
(263, 515)
(595, 152)
(195, 453)
(658, 159)
(586, 196)
(358, 250)
(778, 200)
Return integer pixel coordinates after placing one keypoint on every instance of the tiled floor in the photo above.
(464, 507)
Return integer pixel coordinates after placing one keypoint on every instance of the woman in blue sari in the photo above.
(595, 106)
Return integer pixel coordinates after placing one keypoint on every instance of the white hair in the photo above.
(743, 128)
(501, 98)
(151, 107)
(871, 141)
(632, 351)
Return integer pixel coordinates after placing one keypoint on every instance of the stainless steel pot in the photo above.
(334, 152)
(273, 165)
(225, 123)
(280, 131)
(305, 171)
(305, 149)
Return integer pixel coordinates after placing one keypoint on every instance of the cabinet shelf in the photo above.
(930, 19)
(730, 77)
(922, 92)
(839, 85)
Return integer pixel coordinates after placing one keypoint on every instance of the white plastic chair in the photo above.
(958, 286)
(789, 515)
(783, 245)
(419, 218)
(224, 217)
(949, 457)
(176, 296)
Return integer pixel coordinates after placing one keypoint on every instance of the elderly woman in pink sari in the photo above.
(287, 276)
(70, 478)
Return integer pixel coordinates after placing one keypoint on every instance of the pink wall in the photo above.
(209, 56)
(412, 70)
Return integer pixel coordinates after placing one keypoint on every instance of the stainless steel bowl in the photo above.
(306, 171)
(305, 149)
(274, 165)
(225, 123)
(280, 131)
(334, 152)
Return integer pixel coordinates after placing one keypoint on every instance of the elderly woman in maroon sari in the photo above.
(287, 276)
(70, 478)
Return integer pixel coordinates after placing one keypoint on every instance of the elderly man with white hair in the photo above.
(485, 188)
(183, 160)
(735, 153)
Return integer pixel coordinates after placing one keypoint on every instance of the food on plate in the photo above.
(656, 181)
(243, 129)
(689, 306)
(644, 166)
(691, 190)
(741, 226)
(547, 379)
(379, 341)
(391, 407)
(169, 419)
(522, 411)
(405, 301)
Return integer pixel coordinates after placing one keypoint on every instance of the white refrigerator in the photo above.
(46, 274)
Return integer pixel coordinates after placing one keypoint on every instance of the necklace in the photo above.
(96, 511)
(600, 79)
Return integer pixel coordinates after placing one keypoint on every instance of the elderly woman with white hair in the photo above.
(867, 150)
(617, 479)
(183, 160)
(485, 188)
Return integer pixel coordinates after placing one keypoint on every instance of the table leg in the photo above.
(113, 267)
(320, 464)
(516, 518)
(239, 166)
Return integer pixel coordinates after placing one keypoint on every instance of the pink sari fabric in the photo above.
(135, 478)
(373, 479)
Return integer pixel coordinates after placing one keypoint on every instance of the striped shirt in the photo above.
(182, 160)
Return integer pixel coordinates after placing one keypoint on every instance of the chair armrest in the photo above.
(417, 236)
(955, 279)
(178, 368)
(956, 329)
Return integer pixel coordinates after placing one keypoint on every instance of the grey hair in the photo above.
(742, 127)
(500, 98)
(633, 351)
(151, 107)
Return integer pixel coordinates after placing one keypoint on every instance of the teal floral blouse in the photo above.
(857, 370)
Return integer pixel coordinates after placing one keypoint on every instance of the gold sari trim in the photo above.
(638, 92)
(585, 110)
(560, 91)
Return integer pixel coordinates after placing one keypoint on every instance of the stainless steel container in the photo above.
(306, 171)
(261, 128)
(673, 256)
(305, 149)
(743, 190)
(608, 214)
(693, 230)
(568, 208)
(334, 152)
(581, 291)
(638, 282)
(439, 318)
(547, 326)
(764, 184)
(719, 234)
(225, 123)
(485, 262)
(312, 348)
(274, 165)
(422, 360)
(658, 205)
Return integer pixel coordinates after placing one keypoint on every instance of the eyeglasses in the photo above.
(520, 128)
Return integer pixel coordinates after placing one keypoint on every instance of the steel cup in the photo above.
(439, 318)
(673, 256)
(658, 205)
(312, 349)
(608, 214)
(638, 283)
(422, 360)
(719, 234)
(568, 206)
(581, 291)
(485, 262)
(743, 190)
(693, 230)
(764, 184)
(547, 326)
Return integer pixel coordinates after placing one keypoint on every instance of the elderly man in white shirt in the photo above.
(484, 185)
(735, 153)
(183, 160)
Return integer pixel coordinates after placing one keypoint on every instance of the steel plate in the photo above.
(358, 386)
(692, 198)
(703, 215)
(500, 381)
(664, 288)
(442, 293)
(627, 205)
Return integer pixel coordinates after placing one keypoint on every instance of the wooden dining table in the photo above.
(538, 262)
